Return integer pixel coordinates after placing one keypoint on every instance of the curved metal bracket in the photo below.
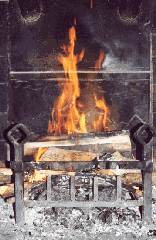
(144, 134)
(18, 134)
(140, 132)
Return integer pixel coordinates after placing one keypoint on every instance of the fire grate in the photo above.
(140, 135)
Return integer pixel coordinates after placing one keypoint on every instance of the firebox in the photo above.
(87, 60)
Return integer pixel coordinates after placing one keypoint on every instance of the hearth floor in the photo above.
(72, 224)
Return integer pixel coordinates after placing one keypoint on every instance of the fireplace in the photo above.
(80, 70)
(113, 63)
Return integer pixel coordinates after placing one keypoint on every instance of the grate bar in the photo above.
(49, 188)
(95, 189)
(119, 187)
(72, 188)
(147, 212)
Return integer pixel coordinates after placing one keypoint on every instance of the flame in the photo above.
(102, 120)
(39, 153)
(99, 61)
(67, 115)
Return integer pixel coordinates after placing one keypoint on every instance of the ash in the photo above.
(74, 223)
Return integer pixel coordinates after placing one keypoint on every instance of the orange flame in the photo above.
(66, 116)
(39, 153)
(99, 61)
(101, 122)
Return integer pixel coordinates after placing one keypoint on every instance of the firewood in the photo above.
(5, 179)
(7, 191)
(5, 176)
(5, 171)
(91, 143)
(56, 154)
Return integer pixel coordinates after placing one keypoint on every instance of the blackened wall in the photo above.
(35, 47)
(153, 65)
(4, 75)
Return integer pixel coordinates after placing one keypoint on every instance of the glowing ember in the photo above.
(67, 115)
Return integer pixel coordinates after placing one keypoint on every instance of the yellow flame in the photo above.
(66, 116)
(39, 153)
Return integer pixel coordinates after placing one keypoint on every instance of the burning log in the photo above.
(56, 155)
(87, 146)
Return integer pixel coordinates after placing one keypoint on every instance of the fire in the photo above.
(66, 116)
(99, 61)
(101, 121)
(39, 153)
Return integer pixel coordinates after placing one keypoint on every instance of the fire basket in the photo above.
(140, 135)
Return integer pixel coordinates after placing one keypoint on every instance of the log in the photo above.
(54, 154)
(5, 179)
(91, 143)
(5, 176)
(5, 171)
(7, 191)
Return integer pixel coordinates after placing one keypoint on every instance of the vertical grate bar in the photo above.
(119, 188)
(95, 189)
(90, 188)
(72, 188)
(26, 194)
(19, 188)
(49, 188)
(147, 180)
